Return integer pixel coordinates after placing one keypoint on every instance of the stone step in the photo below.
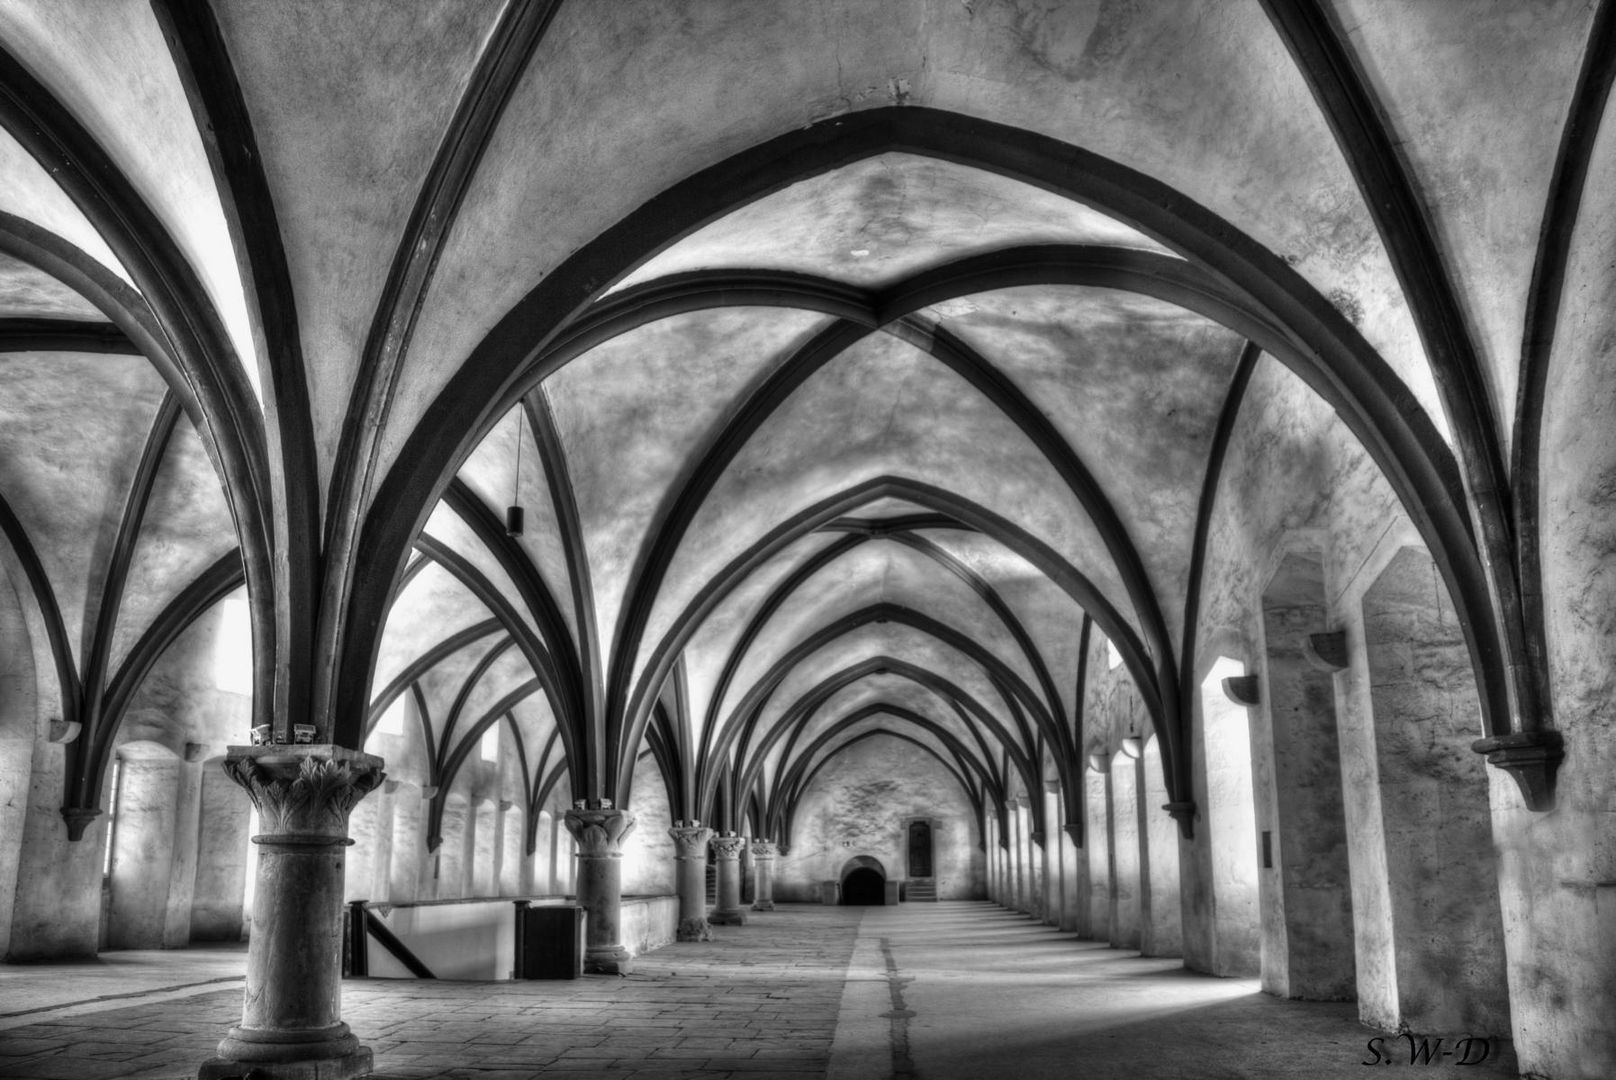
(921, 890)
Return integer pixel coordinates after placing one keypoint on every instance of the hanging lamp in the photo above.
(513, 513)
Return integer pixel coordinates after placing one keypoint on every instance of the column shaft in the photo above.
(599, 830)
(728, 912)
(763, 854)
(690, 849)
(291, 1022)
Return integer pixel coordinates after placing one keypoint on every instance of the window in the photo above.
(232, 649)
(491, 743)
(392, 721)
(112, 814)
(249, 886)
(1113, 657)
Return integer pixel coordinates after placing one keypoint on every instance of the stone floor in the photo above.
(949, 991)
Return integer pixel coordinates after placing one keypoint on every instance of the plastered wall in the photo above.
(861, 804)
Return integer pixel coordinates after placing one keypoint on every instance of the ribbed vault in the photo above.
(849, 405)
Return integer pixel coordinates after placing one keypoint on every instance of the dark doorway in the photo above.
(864, 887)
(919, 849)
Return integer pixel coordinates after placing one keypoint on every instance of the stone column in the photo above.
(291, 1024)
(1052, 853)
(599, 830)
(763, 853)
(1074, 899)
(1022, 839)
(728, 849)
(990, 855)
(187, 834)
(690, 850)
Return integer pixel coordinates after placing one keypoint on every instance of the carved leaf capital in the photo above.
(599, 831)
(305, 794)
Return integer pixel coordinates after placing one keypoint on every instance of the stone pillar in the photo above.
(599, 829)
(989, 866)
(187, 832)
(1052, 854)
(1073, 896)
(690, 850)
(763, 853)
(1023, 835)
(291, 1024)
(1012, 857)
(728, 849)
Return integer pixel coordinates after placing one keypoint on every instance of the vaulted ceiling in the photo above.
(850, 361)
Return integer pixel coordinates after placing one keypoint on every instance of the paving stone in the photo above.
(714, 1007)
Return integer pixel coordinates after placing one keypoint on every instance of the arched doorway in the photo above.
(864, 882)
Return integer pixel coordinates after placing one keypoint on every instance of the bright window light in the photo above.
(392, 721)
(112, 815)
(1113, 657)
(249, 886)
(491, 743)
(232, 649)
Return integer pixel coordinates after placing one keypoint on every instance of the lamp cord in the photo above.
(516, 477)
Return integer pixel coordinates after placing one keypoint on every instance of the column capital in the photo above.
(764, 849)
(690, 839)
(728, 846)
(599, 829)
(304, 794)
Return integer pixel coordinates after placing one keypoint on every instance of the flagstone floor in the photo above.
(947, 991)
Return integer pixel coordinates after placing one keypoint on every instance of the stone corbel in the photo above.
(1074, 829)
(1184, 814)
(78, 819)
(1326, 652)
(1242, 690)
(1531, 758)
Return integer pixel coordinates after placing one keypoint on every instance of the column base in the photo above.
(612, 960)
(728, 918)
(763, 905)
(325, 1054)
(359, 1063)
(694, 930)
